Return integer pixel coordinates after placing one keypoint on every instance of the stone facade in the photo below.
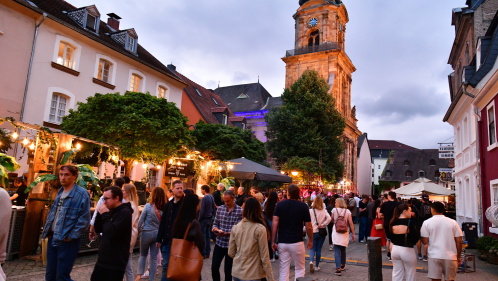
(319, 45)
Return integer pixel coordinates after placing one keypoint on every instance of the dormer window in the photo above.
(126, 38)
(131, 44)
(86, 17)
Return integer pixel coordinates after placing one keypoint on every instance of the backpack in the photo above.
(341, 225)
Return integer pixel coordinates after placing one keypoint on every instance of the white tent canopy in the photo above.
(423, 185)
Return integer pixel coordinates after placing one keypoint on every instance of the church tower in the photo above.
(320, 32)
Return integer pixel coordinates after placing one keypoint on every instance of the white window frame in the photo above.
(131, 43)
(225, 119)
(493, 228)
(167, 93)
(139, 73)
(76, 53)
(48, 102)
(495, 144)
(112, 71)
(478, 54)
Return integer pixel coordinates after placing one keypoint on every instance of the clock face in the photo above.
(313, 22)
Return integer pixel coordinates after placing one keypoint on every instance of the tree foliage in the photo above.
(307, 125)
(142, 126)
(222, 142)
(5, 141)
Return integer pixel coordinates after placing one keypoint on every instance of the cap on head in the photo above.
(425, 196)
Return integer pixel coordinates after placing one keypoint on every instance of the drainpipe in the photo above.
(478, 167)
(37, 27)
(38, 22)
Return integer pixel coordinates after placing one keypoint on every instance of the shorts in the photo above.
(439, 267)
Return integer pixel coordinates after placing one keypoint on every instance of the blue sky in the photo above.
(399, 47)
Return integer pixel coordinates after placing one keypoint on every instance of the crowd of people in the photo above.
(250, 230)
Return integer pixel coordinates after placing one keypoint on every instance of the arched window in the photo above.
(406, 162)
(389, 173)
(421, 173)
(432, 162)
(314, 39)
(408, 173)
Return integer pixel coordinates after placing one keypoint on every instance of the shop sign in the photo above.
(180, 168)
(446, 174)
(447, 155)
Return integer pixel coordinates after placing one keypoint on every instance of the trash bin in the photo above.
(470, 232)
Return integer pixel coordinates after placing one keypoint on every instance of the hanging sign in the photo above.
(446, 174)
(180, 168)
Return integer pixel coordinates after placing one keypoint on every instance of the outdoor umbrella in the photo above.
(247, 170)
(423, 185)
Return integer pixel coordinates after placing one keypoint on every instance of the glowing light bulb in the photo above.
(170, 161)
(135, 162)
(14, 135)
(144, 166)
(219, 168)
(78, 146)
(25, 141)
(158, 167)
(32, 146)
(294, 173)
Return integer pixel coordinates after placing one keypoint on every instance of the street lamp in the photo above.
(294, 173)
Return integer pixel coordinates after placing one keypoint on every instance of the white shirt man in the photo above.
(444, 237)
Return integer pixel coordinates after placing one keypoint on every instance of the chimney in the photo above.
(113, 21)
(171, 67)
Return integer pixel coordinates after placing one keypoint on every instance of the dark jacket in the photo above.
(217, 198)
(170, 212)
(115, 227)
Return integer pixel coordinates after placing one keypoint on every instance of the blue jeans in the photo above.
(165, 250)
(60, 259)
(317, 248)
(206, 232)
(339, 256)
(148, 243)
(363, 228)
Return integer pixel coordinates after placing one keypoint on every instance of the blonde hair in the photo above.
(341, 203)
(317, 203)
(260, 197)
(132, 193)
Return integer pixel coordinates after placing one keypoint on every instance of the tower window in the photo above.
(314, 39)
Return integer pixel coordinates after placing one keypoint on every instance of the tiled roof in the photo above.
(418, 160)
(236, 119)
(218, 109)
(57, 11)
(205, 100)
(388, 144)
(244, 97)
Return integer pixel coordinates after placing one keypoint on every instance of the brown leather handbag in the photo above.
(185, 260)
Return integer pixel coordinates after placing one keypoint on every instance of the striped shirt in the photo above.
(225, 220)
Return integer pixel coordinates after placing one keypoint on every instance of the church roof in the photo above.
(57, 10)
(247, 97)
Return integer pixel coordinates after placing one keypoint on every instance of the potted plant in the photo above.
(483, 244)
(493, 252)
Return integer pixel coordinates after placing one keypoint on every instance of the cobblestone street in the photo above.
(357, 268)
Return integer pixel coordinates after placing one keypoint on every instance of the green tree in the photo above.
(307, 125)
(143, 127)
(222, 142)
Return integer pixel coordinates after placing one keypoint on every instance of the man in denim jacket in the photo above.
(67, 220)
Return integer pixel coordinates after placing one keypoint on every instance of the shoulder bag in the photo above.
(321, 230)
(185, 260)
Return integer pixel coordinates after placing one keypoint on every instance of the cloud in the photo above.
(400, 104)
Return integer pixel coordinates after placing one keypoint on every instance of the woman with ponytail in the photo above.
(405, 235)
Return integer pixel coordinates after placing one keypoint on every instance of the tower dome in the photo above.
(301, 2)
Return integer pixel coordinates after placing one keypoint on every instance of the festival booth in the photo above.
(245, 169)
(423, 185)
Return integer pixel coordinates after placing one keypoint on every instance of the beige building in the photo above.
(319, 45)
(55, 55)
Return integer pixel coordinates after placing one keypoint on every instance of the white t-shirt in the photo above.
(441, 231)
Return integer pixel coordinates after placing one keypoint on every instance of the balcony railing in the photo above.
(312, 49)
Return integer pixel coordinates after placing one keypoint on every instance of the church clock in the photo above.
(313, 22)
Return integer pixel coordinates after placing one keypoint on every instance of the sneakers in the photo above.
(273, 260)
(343, 268)
(362, 241)
(145, 276)
(331, 248)
(317, 268)
(419, 256)
(312, 268)
(425, 258)
(389, 256)
(338, 272)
